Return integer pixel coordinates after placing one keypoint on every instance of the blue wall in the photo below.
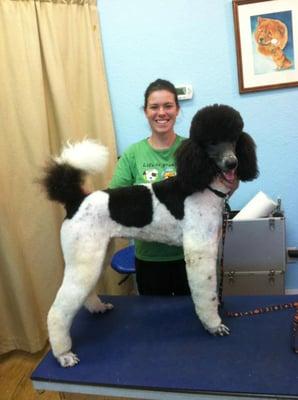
(192, 41)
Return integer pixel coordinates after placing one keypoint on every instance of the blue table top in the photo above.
(158, 343)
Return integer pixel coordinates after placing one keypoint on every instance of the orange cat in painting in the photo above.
(272, 36)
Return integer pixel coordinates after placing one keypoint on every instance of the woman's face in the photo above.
(161, 111)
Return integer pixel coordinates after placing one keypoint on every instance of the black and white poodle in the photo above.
(183, 210)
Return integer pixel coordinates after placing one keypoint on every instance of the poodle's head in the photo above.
(216, 145)
(216, 124)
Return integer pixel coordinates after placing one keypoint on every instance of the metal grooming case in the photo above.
(255, 256)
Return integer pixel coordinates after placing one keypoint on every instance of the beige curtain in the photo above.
(52, 88)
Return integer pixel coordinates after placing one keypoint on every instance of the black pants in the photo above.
(164, 278)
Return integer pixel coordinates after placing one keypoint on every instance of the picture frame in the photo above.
(266, 36)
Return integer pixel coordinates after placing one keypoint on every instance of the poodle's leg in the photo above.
(93, 302)
(81, 274)
(95, 305)
(201, 261)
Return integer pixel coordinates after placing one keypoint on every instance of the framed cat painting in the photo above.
(266, 33)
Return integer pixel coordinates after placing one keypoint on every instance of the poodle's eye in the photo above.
(211, 145)
(212, 149)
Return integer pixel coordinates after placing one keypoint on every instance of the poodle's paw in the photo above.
(68, 359)
(100, 307)
(220, 330)
(95, 305)
(105, 307)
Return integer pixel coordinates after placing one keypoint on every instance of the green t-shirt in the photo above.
(140, 163)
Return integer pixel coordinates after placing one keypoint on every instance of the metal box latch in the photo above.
(231, 277)
(271, 277)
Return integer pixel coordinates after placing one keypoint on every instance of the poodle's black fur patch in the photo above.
(214, 124)
(247, 169)
(170, 193)
(195, 169)
(63, 183)
(131, 206)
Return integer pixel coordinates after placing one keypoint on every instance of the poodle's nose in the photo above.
(231, 163)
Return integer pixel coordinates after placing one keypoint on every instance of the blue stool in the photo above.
(123, 261)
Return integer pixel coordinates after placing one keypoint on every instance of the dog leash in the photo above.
(225, 216)
(271, 308)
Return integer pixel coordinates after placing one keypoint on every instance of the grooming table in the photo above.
(155, 348)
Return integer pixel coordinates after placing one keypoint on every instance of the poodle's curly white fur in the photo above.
(185, 210)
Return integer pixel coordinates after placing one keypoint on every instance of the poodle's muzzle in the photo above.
(223, 155)
(229, 163)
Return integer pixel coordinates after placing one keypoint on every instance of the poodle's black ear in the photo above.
(195, 170)
(247, 169)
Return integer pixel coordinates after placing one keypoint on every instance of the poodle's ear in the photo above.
(247, 169)
(195, 171)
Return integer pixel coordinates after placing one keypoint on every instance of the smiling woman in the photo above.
(160, 269)
(161, 111)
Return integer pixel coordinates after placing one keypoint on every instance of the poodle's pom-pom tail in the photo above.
(64, 175)
(87, 155)
(63, 183)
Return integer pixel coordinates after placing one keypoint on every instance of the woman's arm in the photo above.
(124, 174)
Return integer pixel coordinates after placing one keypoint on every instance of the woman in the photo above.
(160, 269)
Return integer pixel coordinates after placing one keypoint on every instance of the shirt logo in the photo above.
(150, 175)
